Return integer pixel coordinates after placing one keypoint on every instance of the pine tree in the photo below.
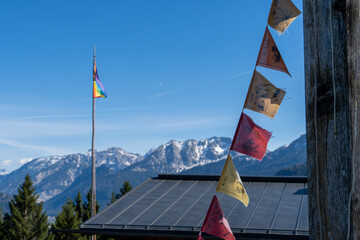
(26, 219)
(79, 206)
(87, 207)
(125, 189)
(67, 219)
(1, 216)
(113, 197)
(1, 223)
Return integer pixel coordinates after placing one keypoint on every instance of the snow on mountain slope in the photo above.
(176, 156)
(183, 157)
(52, 175)
(3, 172)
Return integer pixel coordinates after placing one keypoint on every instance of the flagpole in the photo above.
(93, 175)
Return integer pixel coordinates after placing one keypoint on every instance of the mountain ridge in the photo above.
(52, 175)
(57, 178)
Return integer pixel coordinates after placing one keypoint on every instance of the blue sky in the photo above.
(176, 69)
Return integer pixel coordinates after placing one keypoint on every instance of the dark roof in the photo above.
(176, 205)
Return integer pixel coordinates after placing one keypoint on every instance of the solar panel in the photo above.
(174, 203)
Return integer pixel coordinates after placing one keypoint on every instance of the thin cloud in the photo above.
(197, 85)
(191, 123)
(28, 128)
(46, 149)
(56, 116)
(231, 77)
(171, 91)
(112, 111)
(6, 163)
(124, 109)
(25, 160)
(165, 124)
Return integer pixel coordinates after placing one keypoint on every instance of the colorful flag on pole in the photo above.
(250, 139)
(98, 88)
(282, 14)
(215, 222)
(263, 96)
(231, 184)
(269, 55)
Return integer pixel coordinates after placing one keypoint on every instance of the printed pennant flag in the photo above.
(231, 184)
(98, 88)
(269, 55)
(215, 222)
(282, 14)
(250, 139)
(200, 237)
(263, 96)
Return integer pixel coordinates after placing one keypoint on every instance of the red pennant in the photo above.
(200, 237)
(269, 55)
(250, 139)
(215, 222)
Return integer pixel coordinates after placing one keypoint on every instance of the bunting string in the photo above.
(249, 138)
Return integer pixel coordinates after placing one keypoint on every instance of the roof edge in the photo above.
(144, 234)
(287, 179)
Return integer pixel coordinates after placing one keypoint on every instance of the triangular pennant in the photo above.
(215, 222)
(250, 139)
(200, 237)
(231, 184)
(263, 96)
(282, 14)
(269, 55)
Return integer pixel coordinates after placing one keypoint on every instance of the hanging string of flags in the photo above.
(231, 184)
(282, 14)
(250, 139)
(215, 222)
(269, 55)
(263, 96)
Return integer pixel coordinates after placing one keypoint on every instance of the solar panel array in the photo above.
(181, 204)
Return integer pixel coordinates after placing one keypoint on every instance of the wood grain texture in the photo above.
(331, 45)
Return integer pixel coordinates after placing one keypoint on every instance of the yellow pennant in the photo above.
(263, 96)
(282, 14)
(230, 183)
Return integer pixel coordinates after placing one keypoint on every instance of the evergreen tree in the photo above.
(67, 219)
(1, 216)
(1, 223)
(87, 207)
(113, 198)
(26, 219)
(79, 206)
(124, 189)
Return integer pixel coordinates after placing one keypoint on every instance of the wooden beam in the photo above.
(332, 88)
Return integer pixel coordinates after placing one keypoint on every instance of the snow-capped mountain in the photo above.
(58, 178)
(172, 157)
(176, 156)
(52, 175)
(3, 172)
(274, 161)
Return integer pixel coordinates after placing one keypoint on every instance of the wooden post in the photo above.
(93, 159)
(332, 88)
